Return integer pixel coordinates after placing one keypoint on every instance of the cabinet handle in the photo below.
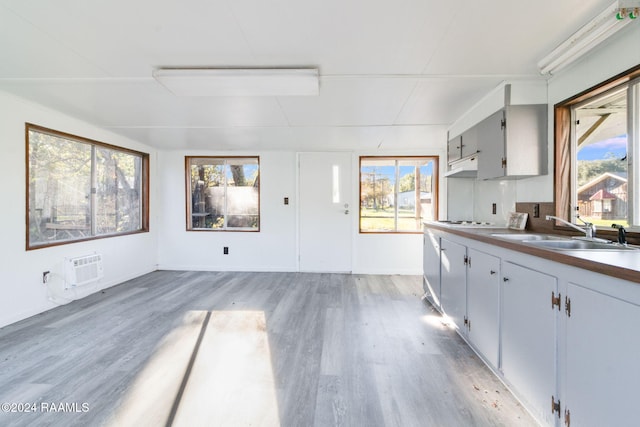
(492, 272)
(505, 279)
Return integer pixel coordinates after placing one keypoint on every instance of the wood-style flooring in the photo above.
(248, 349)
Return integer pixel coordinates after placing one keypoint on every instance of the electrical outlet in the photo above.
(494, 208)
(225, 250)
(286, 200)
(536, 210)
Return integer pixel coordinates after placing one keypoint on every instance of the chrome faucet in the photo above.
(588, 229)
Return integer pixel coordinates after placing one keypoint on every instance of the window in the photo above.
(596, 139)
(397, 193)
(80, 189)
(223, 193)
(601, 167)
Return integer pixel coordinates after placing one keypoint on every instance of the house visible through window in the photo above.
(397, 193)
(223, 193)
(81, 189)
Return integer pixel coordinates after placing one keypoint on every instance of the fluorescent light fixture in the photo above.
(586, 38)
(239, 81)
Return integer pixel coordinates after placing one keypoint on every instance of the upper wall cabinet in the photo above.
(462, 155)
(454, 149)
(462, 146)
(513, 142)
(504, 136)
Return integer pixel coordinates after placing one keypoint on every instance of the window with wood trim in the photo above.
(596, 140)
(80, 189)
(397, 193)
(223, 193)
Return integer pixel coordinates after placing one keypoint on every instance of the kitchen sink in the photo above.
(570, 245)
(524, 236)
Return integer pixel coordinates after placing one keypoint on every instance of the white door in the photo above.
(325, 212)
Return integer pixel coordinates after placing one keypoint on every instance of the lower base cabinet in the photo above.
(453, 281)
(573, 359)
(601, 371)
(483, 304)
(529, 337)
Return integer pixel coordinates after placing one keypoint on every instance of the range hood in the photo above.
(466, 167)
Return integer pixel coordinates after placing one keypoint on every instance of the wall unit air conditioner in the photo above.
(83, 270)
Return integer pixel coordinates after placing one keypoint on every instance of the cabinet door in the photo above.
(491, 143)
(431, 266)
(483, 303)
(453, 281)
(529, 336)
(469, 144)
(602, 350)
(454, 149)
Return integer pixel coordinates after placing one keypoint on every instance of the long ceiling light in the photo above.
(610, 21)
(239, 81)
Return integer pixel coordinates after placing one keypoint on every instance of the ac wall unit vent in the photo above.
(83, 270)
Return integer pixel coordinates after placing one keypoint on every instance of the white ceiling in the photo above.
(393, 73)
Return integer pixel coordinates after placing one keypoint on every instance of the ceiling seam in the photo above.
(281, 127)
(56, 39)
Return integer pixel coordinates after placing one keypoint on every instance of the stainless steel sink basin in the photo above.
(524, 236)
(571, 245)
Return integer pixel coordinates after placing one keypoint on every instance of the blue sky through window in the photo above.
(598, 150)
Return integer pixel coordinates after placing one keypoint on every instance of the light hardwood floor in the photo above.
(248, 349)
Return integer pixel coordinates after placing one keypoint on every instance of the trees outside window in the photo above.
(223, 193)
(81, 189)
(397, 193)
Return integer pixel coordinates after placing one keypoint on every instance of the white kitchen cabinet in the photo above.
(528, 337)
(453, 281)
(454, 149)
(600, 372)
(572, 358)
(483, 304)
(463, 145)
(469, 142)
(431, 267)
(513, 142)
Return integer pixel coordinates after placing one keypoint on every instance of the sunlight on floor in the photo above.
(232, 380)
(438, 320)
(230, 383)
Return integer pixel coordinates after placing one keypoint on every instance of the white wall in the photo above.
(22, 291)
(271, 249)
(274, 248)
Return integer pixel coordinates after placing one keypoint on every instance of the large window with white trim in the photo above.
(80, 189)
